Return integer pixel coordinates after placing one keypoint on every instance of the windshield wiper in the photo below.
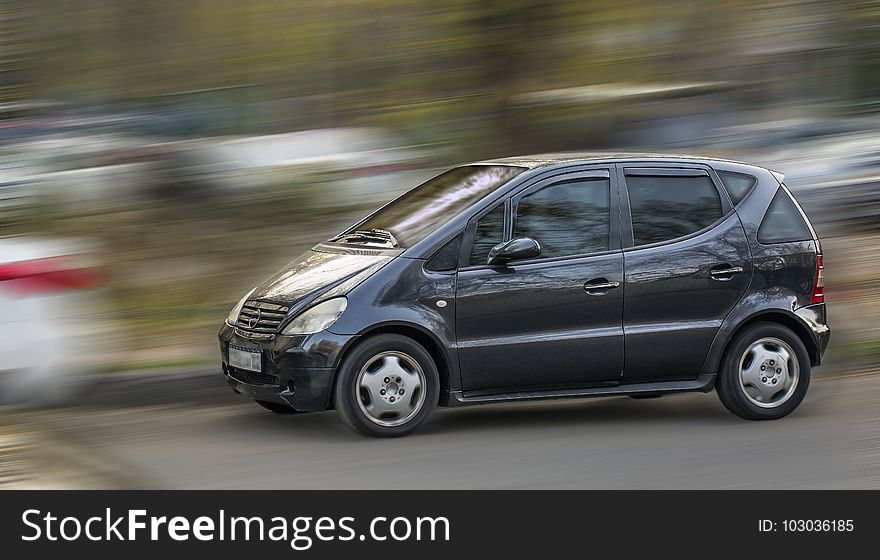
(375, 237)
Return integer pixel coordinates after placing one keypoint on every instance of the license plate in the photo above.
(245, 359)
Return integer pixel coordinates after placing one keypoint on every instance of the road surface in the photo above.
(680, 441)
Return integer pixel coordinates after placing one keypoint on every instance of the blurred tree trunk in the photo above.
(509, 30)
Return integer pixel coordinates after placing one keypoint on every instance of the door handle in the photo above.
(725, 273)
(600, 285)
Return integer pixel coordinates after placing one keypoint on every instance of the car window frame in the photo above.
(673, 169)
(511, 202)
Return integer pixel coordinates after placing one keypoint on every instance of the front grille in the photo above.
(252, 377)
(260, 317)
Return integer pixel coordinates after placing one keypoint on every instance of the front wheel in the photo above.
(387, 386)
(765, 372)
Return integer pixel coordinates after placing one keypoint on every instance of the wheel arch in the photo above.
(428, 340)
(780, 316)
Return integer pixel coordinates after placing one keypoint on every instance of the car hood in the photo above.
(320, 272)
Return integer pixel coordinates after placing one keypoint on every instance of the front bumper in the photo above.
(296, 370)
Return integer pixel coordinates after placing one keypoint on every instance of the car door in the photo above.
(551, 322)
(687, 264)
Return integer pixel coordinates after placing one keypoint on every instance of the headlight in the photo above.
(317, 318)
(233, 315)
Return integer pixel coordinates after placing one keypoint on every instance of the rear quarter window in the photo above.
(783, 222)
(737, 185)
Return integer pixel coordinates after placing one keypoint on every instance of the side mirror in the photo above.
(516, 249)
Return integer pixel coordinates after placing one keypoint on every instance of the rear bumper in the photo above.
(296, 370)
(815, 318)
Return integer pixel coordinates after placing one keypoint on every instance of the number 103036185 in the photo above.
(807, 526)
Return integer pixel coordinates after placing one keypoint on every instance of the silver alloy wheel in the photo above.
(768, 372)
(391, 388)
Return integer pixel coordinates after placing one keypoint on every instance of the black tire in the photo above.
(730, 388)
(277, 408)
(347, 393)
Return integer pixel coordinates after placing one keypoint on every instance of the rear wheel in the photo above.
(387, 386)
(765, 372)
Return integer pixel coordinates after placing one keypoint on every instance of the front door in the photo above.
(554, 321)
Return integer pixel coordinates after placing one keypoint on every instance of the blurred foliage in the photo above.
(441, 70)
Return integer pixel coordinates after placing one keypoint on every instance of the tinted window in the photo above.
(666, 207)
(447, 257)
(490, 232)
(569, 218)
(737, 185)
(783, 222)
(412, 216)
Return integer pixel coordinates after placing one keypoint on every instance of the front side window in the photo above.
(567, 218)
(490, 232)
(665, 207)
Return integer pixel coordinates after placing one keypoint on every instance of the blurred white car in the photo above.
(366, 164)
(46, 291)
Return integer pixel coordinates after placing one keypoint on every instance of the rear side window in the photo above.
(490, 232)
(567, 218)
(783, 222)
(738, 185)
(666, 207)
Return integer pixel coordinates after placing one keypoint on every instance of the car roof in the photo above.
(546, 160)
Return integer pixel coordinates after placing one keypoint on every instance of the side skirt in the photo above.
(703, 384)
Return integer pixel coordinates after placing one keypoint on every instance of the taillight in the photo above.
(47, 275)
(819, 288)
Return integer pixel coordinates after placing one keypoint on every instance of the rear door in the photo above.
(687, 264)
(555, 321)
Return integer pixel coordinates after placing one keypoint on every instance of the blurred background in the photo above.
(158, 157)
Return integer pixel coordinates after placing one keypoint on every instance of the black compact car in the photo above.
(544, 277)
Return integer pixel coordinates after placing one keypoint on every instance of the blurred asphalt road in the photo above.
(683, 441)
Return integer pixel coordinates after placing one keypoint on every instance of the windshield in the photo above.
(411, 217)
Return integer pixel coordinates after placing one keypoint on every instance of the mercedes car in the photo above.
(544, 277)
